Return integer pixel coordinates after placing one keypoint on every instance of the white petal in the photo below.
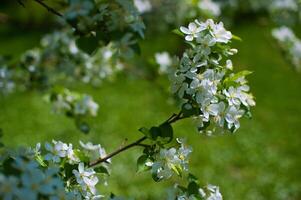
(189, 38)
(81, 167)
(185, 30)
(192, 27)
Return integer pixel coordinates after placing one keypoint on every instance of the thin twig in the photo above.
(170, 120)
(175, 118)
(100, 160)
(143, 145)
(52, 10)
(171, 117)
(21, 3)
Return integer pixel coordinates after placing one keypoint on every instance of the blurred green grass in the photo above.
(261, 161)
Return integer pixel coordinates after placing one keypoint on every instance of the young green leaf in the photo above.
(141, 166)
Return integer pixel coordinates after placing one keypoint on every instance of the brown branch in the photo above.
(174, 118)
(48, 8)
(170, 118)
(100, 160)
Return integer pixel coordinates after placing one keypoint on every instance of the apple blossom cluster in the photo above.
(58, 54)
(176, 12)
(74, 105)
(205, 81)
(32, 181)
(112, 29)
(291, 5)
(86, 177)
(57, 171)
(104, 18)
(168, 162)
(7, 84)
(194, 191)
(290, 44)
(104, 64)
(59, 57)
(285, 12)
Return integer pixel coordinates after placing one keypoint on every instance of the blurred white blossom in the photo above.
(143, 5)
(210, 6)
(7, 85)
(164, 60)
(290, 44)
(284, 5)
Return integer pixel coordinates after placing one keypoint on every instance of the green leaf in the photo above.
(136, 48)
(81, 155)
(233, 129)
(68, 170)
(192, 177)
(154, 132)
(166, 132)
(145, 132)
(204, 127)
(88, 44)
(150, 151)
(235, 37)
(242, 73)
(177, 169)
(155, 177)
(188, 110)
(193, 188)
(231, 81)
(101, 170)
(82, 126)
(7, 167)
(141, 167)
(178, 32)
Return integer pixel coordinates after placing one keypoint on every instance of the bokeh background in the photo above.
(262, 160)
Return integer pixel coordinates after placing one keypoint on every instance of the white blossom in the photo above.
(233, 95)
(95, 151)
(56, 151)
(143, 6)
(89, 146)
(87, 179)
(170, 161)
(71, 156)
(212, 194)
(192, 31)
(283, 34)
(164, 61)
(229, 64)
(210, 6)
(8, 187)
(7, 85)
(209, 192)
(220, 33)
(232, 117)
